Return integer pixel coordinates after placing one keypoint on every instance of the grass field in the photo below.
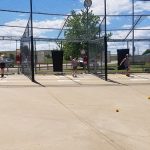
(112, 68)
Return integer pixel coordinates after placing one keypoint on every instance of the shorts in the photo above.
(126, 67)
(2, 65)
(74, 67)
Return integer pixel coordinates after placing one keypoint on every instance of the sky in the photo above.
(114, 7)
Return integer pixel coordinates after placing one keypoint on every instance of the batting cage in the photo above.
(96, 57)
(54, 60)
(86, 39)
(47, 50)
(25, 46)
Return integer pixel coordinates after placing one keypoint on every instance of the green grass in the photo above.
(112, 68)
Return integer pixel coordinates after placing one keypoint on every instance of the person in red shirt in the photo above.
(85, 62)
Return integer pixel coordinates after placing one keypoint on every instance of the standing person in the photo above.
(2, 65)
(126, 64)
(85, 62)
(74, 63)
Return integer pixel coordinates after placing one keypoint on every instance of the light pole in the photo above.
(87, 5)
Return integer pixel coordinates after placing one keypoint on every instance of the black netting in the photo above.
(25, 47)
(96, 57)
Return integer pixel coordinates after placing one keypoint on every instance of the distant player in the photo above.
(85, 63)
(74, 63)
(2, 65)
(126, 64)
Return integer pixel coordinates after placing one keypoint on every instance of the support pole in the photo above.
(16, 60)
(133, 48)
(35, 57)
(87, 5)
(87, 28)
(105, 40)
(32, 47)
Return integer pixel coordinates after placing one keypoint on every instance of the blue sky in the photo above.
(114, 7)
(46, 6)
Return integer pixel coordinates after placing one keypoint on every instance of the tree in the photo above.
(12, 56)
(146, 52)
(79, 30)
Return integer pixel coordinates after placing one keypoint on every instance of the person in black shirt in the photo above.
(126, 64)
(2, 65)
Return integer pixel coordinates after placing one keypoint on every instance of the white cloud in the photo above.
(141, 46)
(7, 45)
(46, 46)
(116, 7)
(123, 7)
(113, 7)
(141, 6)
(143, 33)
(12, 31)
(15, 31)
(58, 23)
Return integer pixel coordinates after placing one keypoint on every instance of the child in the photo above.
(85, 62)
(74, 63)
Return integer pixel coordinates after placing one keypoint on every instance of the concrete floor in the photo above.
(83, 113)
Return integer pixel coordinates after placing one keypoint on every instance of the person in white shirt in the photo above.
(74, 63)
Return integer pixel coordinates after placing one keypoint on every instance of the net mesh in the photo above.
(25, 47)
(96, 57)
(97, 52)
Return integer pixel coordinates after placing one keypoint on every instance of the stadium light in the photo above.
(87, 3)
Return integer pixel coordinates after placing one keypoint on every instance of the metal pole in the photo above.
(87, 39)
(99, 30)
(16, 44)
(61, 47)
(32, 47)
(128, 44)
(133, 49)
(105, 41)
(16, 55)
(35, 56)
